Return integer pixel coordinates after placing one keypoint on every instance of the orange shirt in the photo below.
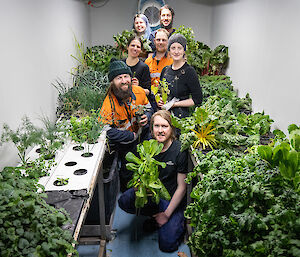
(155, 69)
(122, 115)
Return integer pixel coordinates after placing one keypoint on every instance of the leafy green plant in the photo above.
(121, 41)
(26, 135)
(86, 129)
(242, 208)
(161, 90)
(98, 57)
(80, 56)
(29, 226)
(286, 156)
(88, 92)
(146, 175)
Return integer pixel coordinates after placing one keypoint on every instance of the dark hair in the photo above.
(166, 115)
(169, 8)
(137, 38)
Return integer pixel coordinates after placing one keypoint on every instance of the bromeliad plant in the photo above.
(197, 130)
(146, 175)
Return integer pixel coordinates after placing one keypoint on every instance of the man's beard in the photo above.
(121, 94)
(167, 27)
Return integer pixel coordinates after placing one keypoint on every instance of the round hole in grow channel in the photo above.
(87, 155)
(80, 172)
(78, 148)
(69, 164)
(38, 150)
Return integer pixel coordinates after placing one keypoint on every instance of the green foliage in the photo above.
(98, 57)
(146, 175)
(29, 226)
(26, 135)
(284, 155)
(242, 208)
(53, 138)
(121, 41)
(86, 129)
(88, 92)
(201, 57)
(161, 90)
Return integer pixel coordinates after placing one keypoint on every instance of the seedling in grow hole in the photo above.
(61, 181)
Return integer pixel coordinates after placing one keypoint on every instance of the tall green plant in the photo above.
(26, 135)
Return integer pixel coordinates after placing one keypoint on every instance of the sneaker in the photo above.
(150, 225)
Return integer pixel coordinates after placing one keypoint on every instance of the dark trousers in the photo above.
(171, 233)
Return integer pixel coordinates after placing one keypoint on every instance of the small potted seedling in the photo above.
(61, 181)
(139, 112)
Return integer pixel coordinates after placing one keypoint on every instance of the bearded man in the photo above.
(125, 127)
(166, 15)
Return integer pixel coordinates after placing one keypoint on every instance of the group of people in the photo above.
(129, 91)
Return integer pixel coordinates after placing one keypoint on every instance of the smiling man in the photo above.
(166, 15)
(159, 59)
(167, 216)
(118, 111)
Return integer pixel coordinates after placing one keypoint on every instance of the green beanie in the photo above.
(117, 68)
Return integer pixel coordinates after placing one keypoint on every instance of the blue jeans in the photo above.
(171, 233)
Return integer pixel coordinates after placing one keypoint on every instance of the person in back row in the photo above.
(118, 111)
(184, 85)
(167, 216)
(141, 26)
(159, 59)
(166, 15)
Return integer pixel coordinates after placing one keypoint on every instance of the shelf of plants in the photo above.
(245, 204)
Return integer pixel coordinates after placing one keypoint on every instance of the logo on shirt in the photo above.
(170, 163)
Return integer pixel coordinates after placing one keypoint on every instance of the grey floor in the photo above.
(130, 240)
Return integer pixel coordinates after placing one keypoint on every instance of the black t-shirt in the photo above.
(176, 163)
(142, 73)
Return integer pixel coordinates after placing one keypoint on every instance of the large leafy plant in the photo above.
(29, 226)
(285, 155)
(146, 174)
(242, 208)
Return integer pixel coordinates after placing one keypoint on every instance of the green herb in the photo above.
(161, 90)
(26, 135)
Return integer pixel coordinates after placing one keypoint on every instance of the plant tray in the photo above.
(78, 170)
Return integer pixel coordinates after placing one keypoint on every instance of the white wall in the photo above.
(263, 39)
(116, 16)
(36, 44)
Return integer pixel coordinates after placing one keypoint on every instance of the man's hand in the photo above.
(144, 120)
(161, 218)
